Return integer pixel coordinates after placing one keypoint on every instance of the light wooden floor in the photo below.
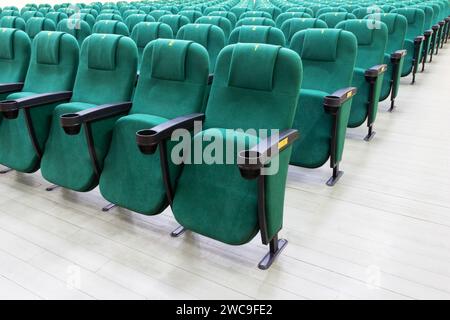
(382, 233)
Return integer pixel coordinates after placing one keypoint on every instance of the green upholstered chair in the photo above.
(211, 37)
(109, 16)
(362, 12)
(328, 57)
(289, 15)
(89, 18)
(15, 50)
(330, 10)
(351, 7)
(92, 12)
(128, 13)
(172, 84)
(145, 32)
(175, 21)
(192, 15)
(172, 9)
(9, 13)
(226, 14)
(208, 10)
(111, 27)
(134, 19)
(255, 14)
(36, 25)
(255, 22)
(56, 17)
(156, 14)
(257, 34)
(333, 18)
(369, 71)
(105, 77)
(395, 54)
(272, 10)
(13, 22)
(147, 8)
(27, 114)
(414, 39)
(31, 14)
(46, 10)
(294, 25)
(301, 9)
(255, 88)
(78, 28)
(222, 22)
(428, 31)
(238, 11)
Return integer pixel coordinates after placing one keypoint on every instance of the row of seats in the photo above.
(84, 118)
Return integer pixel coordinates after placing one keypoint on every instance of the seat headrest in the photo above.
(144, 32)
(198, 33)
(252, 66)
(254, 34)
(361, 30)
(320, 44)
(48, 44)
(102, 51)
(169, 59)
(7, 41)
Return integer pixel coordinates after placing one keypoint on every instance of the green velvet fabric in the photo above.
(322, 76)
(36, 25)
(209, 36)
(156, 99)
(110, 27)
(257, 34)
(289, 15)
(333, 18)
(44, 75)
(255, 22)
(291, 26)
(78, 28)
(230, 215)
(12, 22)
(66, 161)
(175, 21)
(134, 19)
(222, 22)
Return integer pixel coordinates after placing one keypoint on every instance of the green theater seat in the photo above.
(272, 10)
(78, 28)
(211, 37)
(89, 18)
(238, 11)
(128, 13)
(255, 22)
(226, 14)
(27, 114)
(255, 14)
(301, 9)
(56, 17)
(31, 14)
(156, 14)
(13, 22)
(92, 12)
(106, 75)
(145, 32)
(257, 34)
(222, 22)
(330, 10)
(109, 16)
(289, 15)
(232, 198)
(328, 57)
(173, 83)
(192, 15)
(9, 13)
(134, 19)
(175, 21)
(36, 25)
(369, 71)
(111, 27)
(333, 18)
(291, 26)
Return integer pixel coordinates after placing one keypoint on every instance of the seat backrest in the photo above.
(192, 15)
(9, 13)
(92, 12)
(175, 21)
(272, 10)
(36, 25)
(145, 32)
(255, 22)
(56, 17)
(12, 22)
(301, 9)
(107, 70)
(172, 80)
(255, 86)
(222, 22)
(109, 16)
(226, 14)
(134, 19)
(78, 28)
(289, 15)
(111, 27)
(172, 9)
(429, 13)
(416, 21)
(257, 34)
(31, 14)
(329, 9)
(147, 8)
(371, 41)
(53, 63)
(209, 36)
(15, 52)
(156, 14)
(328, 57)
(396, 25)
(46, 10)
(128, 13)
(238, 11)
(333, 18)
(255, 14)
(294, 25)
(360, 13)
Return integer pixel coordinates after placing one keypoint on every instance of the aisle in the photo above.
(382, 232)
